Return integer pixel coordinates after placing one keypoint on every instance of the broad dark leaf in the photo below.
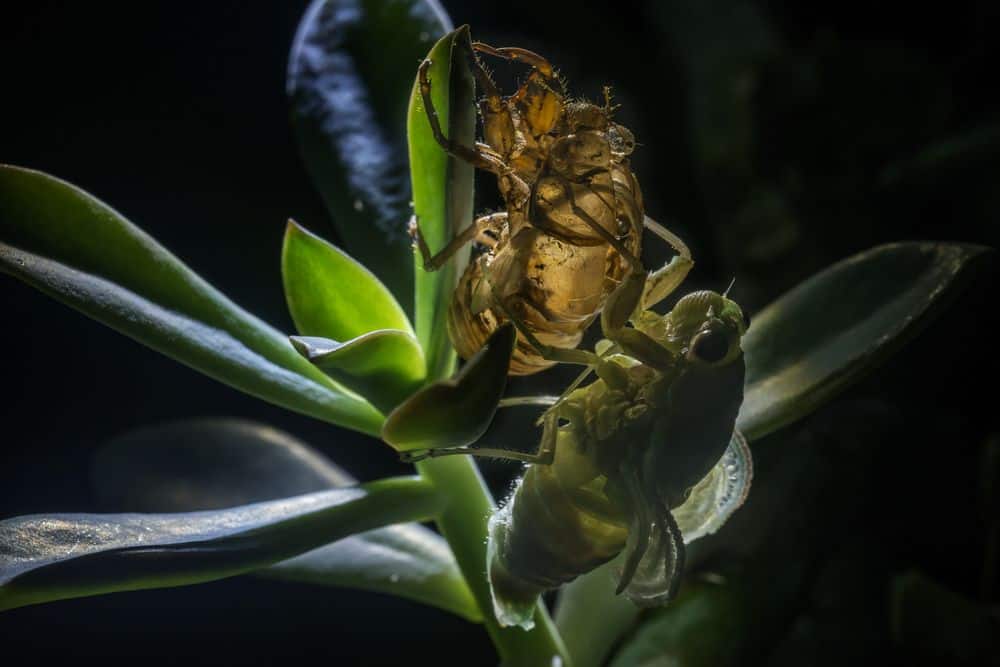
(457, 411)
(828, 332)
(349, 77)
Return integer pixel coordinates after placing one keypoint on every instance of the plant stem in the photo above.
(463, 524)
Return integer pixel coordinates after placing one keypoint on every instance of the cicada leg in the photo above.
(474, 232)
(482, 156)
(544, 456)
(517, 54)
(539, 103)
(557, 354)
(623, 302)
(498, 123)
(662, 282)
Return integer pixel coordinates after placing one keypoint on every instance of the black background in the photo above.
(175, 114)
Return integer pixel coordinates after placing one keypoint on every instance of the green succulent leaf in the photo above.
(349, 75)
(824, 335)
(385, 366)
(354, 329)
(330, 294)
(442, 188)
(207, 464)
(457, 411)
(80, 251)
(59, 556)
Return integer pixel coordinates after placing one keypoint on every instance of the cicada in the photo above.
(573, 220)
(633, 465)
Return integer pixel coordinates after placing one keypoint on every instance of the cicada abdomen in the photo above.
(543, 537)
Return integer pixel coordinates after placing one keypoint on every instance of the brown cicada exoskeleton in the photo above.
(571, 233)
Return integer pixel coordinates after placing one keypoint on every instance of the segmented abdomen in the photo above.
(543, 537)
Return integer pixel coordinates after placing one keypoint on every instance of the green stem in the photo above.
(463, 524)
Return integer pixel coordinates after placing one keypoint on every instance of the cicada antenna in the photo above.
(731, 283)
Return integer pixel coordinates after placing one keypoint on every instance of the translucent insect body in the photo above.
(572, 223)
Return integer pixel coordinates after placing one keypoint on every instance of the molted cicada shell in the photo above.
(573, 220)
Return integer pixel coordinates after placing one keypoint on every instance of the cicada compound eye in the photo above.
(710, 346)
(621, 139)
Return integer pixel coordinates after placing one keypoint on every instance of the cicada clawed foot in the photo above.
(415, 456)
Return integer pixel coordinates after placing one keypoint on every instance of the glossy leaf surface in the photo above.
(349, 76)
(58, 556)
(330, 294)
(442, 188)
(215, 463)
(457, 411)
(824, 335)
(385, 366)
(78, 250)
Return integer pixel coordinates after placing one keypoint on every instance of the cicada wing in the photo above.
(656, 577)
(719, 494)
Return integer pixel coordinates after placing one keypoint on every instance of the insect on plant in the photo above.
(616, 456)
(572, 228)
(640, 461)
(630, 468)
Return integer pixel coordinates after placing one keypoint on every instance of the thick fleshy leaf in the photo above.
(589, 637)
(698, 629)
(78, 250)
(824, 335)
(330, 294)
(349, 77)
(442, 188)
(385, 366)
(215, 463)
(58, 556)
(457, 411)
(934, 625)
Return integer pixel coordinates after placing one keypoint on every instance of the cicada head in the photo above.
(703, 398)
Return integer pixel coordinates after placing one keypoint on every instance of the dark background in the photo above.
(841, 127)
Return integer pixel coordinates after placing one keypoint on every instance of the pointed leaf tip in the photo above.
(457, 411)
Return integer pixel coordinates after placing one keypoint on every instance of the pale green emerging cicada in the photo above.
(638, 463)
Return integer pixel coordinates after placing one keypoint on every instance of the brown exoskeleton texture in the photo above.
(571, 232)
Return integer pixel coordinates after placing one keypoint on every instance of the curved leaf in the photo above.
(59, 556)
(934, 625)
(442, 189)
(822, 336)
(78, 250)
(330, 294)
(698, 629)
(385, 366)
(214, 463)
(457, 411)
(349, 76)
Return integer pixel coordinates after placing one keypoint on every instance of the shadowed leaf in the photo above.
(216, 463)
(827, 333)
(457, 411)
(349, 76)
